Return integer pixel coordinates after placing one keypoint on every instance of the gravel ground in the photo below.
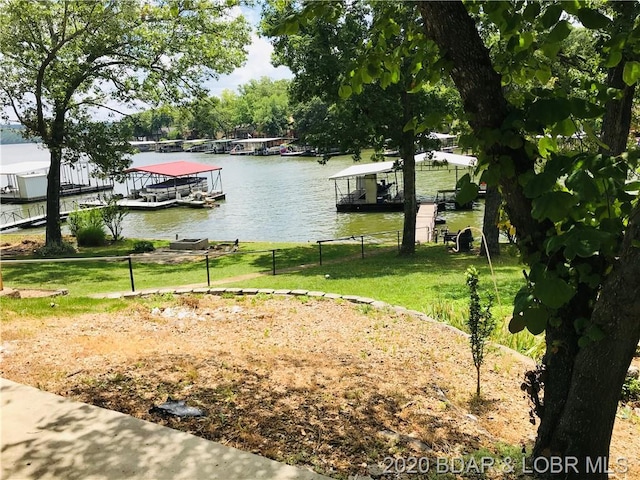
(348, 390)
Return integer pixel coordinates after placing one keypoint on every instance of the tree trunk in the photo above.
(492, 201)
(581, 386)
(582, 429)
(53, 229)
(617, 119)
(407, 151)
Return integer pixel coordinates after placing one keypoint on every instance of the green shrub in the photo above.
(142, 246)
(59, 250)
(630, 389)
(74, 222)
(92, 236)
(84, 218)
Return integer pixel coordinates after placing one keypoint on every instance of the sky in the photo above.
(258, 65)
(258, 62)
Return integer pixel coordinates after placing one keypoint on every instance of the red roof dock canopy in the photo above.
(174, 169)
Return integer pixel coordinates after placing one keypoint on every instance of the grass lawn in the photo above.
(431, 281)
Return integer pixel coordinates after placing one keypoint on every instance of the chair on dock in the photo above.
(463, 240)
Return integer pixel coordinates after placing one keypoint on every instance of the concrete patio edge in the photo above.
(46, 436)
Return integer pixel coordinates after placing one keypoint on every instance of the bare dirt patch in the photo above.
(314, 382)
(22, 247)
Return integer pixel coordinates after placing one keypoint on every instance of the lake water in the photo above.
(272, 198)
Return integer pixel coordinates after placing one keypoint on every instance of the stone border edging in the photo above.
(377, 304)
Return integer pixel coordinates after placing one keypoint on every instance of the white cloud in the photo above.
(258, 65)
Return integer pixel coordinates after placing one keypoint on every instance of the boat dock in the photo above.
(426, 222)
(37, 219)
(26, 182)
(131, 204)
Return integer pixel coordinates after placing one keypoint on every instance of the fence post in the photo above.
(133, 288)
(398, 234)
(362, 245)
(273, 261)
(208, 275)
(320, 248)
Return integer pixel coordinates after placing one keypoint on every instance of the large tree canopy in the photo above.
(63, 60)
(576, 213)
(264, 105)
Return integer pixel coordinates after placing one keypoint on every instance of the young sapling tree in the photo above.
(480, 323)
(113, 215)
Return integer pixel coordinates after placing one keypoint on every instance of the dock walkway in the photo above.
(426, 222)
(15, 220)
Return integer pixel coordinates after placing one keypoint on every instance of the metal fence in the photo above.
(363, 240)
(129, 259)
(376, 238)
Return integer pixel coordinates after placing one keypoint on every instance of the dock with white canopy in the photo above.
(376, 187)
(369, 187)
(26, 182)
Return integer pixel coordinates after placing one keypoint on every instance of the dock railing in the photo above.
(13, 216)
(24, 216)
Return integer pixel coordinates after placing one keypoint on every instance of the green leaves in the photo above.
(540, 184)
(290, 26)
(547, 145)
(583, 183)
(584, 195)
(531, 11)
(631, 72)
(552, 290)
(593, 19)
(614, 59)
(559, 32)
(467, 190)
(592, 334)
(555, 206)
(548, 111)
(345, 91)
(528, 313)
(551, 15)
(583, 241)
(537, 303)
(534, 319)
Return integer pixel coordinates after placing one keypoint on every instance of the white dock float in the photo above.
(426, 222)
(132, 204)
